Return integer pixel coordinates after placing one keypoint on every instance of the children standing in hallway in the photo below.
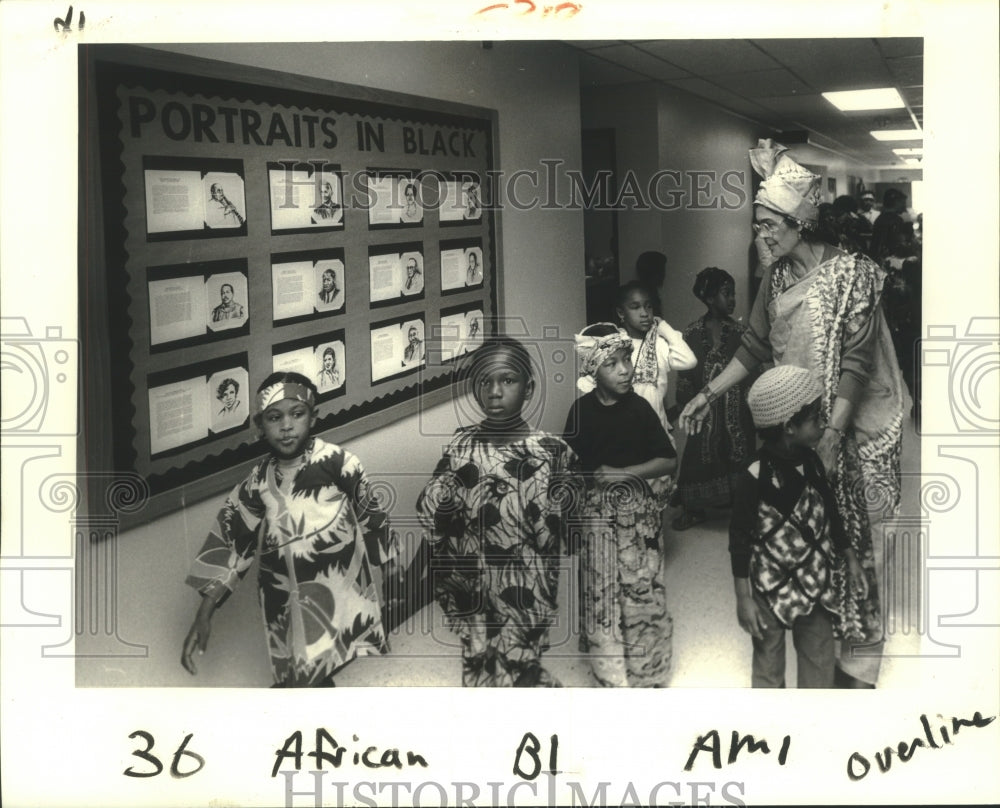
(305, 513)
(622, 445)
(786, 540)
(657, 348)
(497, 527)
(713, 456)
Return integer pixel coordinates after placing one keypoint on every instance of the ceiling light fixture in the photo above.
(897, 134)
(852, 100)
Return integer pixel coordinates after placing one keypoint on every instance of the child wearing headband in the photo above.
(306, 514)
(494, 509)
(622, 445)
(786, 541)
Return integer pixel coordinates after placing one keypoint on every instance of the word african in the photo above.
(327, 750)
(858, 765)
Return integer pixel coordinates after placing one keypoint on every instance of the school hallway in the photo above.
(709, 647)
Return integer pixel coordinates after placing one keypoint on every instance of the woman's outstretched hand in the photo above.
(694, 414)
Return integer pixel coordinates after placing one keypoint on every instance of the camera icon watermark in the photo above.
(968, 368)
(36, 372)
(552, 361)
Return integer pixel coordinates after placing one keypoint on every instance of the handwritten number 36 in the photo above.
(175, 770)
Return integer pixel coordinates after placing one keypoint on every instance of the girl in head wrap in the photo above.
(306, 514)
(820, 308)
(622, 446)
(725, 445)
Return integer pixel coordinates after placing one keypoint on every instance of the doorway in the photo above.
(600, 223)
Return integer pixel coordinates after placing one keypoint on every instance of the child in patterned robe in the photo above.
(725, 446)
(786, 541)
(494, 507)
(305, 513)
(622, 446)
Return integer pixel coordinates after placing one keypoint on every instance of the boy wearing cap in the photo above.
(787, 544)
(306, 514)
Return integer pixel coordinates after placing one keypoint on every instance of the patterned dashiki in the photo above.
(794, 558)
(317, 534)
(820, 321)
(626, 624)
(496, 515)
(727, 441)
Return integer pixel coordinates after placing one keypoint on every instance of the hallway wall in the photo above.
(536, 93)
(702, 214)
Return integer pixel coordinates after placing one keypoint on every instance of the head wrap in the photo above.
(781, 392)
(592, 352)
(787, 187)
(279, 391)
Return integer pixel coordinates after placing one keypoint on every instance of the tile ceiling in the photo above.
(777, 83)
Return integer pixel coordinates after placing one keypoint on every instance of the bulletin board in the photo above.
(247, 221)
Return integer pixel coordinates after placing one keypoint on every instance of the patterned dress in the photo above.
(627, 627)
(660, 351)
(791, 536)
(726, 444)
(831, 321)
(317, 534)
(496, 514)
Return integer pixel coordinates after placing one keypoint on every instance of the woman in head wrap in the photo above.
(819, 308)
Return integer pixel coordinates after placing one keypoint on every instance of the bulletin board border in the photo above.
(102, 253)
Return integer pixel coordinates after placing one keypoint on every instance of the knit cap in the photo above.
(781, 392)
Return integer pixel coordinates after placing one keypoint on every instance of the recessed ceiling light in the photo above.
(850, 100)
(898, 134)
(908, 152)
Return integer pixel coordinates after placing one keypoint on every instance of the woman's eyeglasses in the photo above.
(768, 228)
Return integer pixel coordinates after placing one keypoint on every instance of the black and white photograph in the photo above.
(227, 302)
(461, 265)
(460, 331)
(393, 198)
(665, 377)
(396, 347)
(220, 210)
(323, 362)
(393, 276)
(330, 289)
(303, 197)
(306, 284)
(182, 201)
(232, 406)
